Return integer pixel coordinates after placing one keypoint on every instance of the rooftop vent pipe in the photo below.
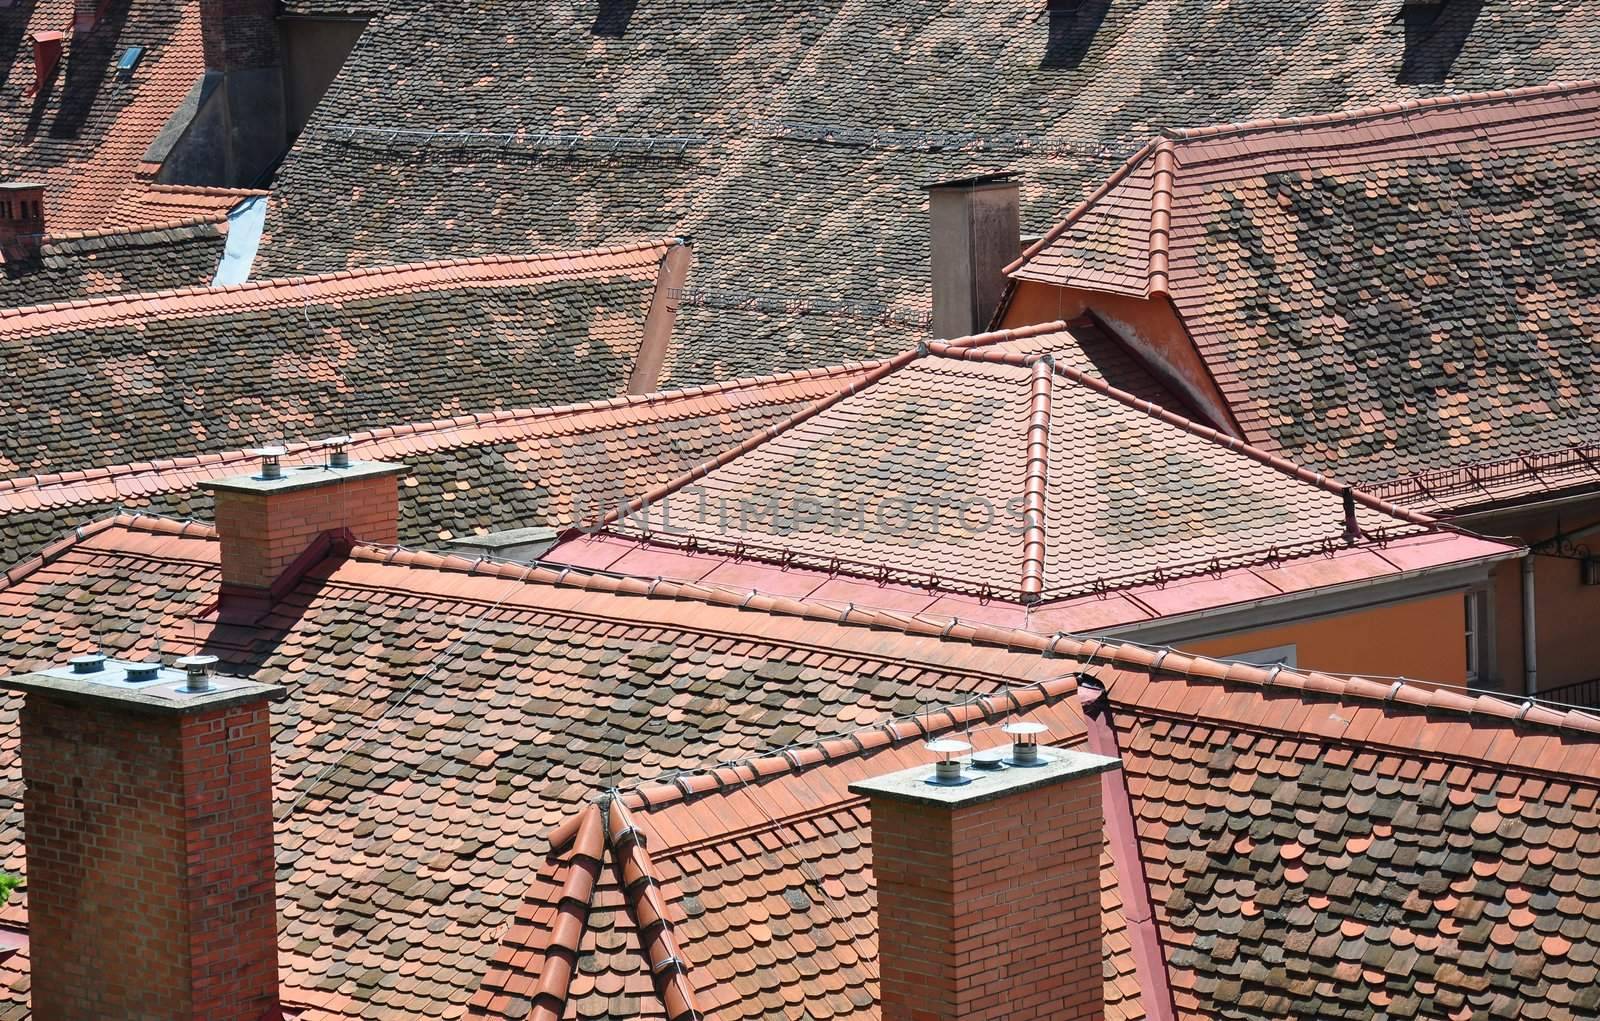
(197, 672)
(139, 673)
(271, 462)
(947, 771)
(89, 663)
(1025, 743)
(1352, 530)
(338, 451)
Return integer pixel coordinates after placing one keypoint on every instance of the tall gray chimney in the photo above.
(977, 232)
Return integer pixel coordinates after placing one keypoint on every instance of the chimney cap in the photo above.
(146, 689)
(304, 476)
(995, 180)
(909, 785)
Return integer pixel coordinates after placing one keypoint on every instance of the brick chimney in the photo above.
(21, 219)
(147, 806)
(977, 232)
(989, 890)
(86, 15)
(282, 520)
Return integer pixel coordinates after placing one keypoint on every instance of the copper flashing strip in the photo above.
(1166, 163)
(1033, 490)
(658, 322)
(1149, 958)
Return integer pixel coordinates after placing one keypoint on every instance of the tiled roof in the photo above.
(114, 380)
(160, 203)
(447, 717)
(1398, 292)
(781, 210)
(179, 253)
(993, 468)
(431, 742)
(86, 136)
(1314, 849)
(473, 474)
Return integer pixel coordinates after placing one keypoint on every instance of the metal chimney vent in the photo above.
(140, 673)
(338, 451)
(947, 771)
(89, 663)
(197, 671)
(1025, 743)
(271, 461)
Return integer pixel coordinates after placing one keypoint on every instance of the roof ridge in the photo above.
(433, 428)
(685, 784)
(1161, 200)
(262, 292)
(641, 888)
(1431, 104)
(1173, 137)
(883, 369)
(207, 189)
(1035, 480)
(601, 826)
(1325, 482)
(1060, 645)
(1089, 201)
(151, 523)
(879, 371)
(111, 232)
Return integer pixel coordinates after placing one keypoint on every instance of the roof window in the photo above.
(130, 60)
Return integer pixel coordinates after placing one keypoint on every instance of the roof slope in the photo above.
(86, 134)
(474, 474)
(994, 468)
(181, 253)
(1399, 291)
(109, 381)
(444, 716)
(1314, 850)
(822, 119)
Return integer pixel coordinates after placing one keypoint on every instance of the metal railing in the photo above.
(1584, 694)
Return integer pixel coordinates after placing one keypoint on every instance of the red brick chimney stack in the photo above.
(150, 873)
(272, 520)
(21, 219)
(989, 892)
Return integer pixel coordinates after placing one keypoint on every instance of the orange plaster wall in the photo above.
(1424, 639)
(1150, 325)
(1566, 610)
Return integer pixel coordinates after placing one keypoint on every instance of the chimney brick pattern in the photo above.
(150, 862)
(991, 911)
(263, 532)
(239, 34)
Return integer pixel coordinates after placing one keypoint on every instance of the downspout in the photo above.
(661, 318)
(1530, 631)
